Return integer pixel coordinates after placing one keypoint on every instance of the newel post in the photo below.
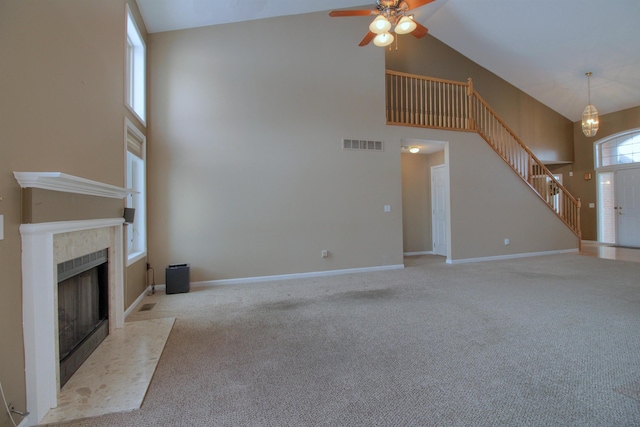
(471, 121)
(578, 226)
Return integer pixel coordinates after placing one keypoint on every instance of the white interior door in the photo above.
(439, 197)
(627, 184)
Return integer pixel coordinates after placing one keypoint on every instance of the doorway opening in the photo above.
(617, 163)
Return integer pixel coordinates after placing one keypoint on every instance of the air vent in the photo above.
(147, 307)
(361, 144)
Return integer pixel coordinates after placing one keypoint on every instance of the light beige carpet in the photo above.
(544, 341)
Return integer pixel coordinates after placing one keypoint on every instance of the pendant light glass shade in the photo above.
(590, 120)
(384, 39)
(380, 25)
(405, 25)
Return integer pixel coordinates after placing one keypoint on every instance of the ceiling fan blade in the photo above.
(367, 39)
(412, 4)
(335, 13)
(420, 31)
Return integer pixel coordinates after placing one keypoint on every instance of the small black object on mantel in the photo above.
(128, 215)
(177, 279)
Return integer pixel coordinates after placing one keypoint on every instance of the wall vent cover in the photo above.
(361, 144)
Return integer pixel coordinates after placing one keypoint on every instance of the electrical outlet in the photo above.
(507, 242)
(325, 253)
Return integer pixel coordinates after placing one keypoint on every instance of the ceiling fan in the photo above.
(390, 17)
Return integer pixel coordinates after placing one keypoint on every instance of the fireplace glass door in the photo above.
(82, 310)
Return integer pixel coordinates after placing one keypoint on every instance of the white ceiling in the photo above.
(543, 47)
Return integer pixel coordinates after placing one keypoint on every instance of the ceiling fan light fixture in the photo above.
(380, 25)
(590, 120)
(384, 39)
(405, 25)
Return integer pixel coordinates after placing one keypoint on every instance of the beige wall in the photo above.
(584, 163)
(62, 109)
(489, 203)
(416, 200)
(40, 205)
(247, 176)
(548, 134)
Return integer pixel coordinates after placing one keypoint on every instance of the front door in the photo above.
(439, 197)
(628, 207)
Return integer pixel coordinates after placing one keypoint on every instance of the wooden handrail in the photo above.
(413, 100)
(524, 147)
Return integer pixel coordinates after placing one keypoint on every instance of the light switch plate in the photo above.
(387, 208)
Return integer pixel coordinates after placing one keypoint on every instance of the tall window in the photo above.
(135, 72)
(136, 180)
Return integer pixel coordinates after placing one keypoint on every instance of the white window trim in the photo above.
(140, 78)
(140, 214)
(612, 168)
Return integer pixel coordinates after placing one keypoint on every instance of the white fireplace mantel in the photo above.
(42, 244)
(58, 181)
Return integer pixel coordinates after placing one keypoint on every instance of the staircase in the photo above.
(420, 101)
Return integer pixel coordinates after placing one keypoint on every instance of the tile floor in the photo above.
(116, 376)
(607, 251)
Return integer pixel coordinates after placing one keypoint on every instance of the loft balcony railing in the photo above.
(420, 101)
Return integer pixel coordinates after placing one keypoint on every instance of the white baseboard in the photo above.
(25, 422)
(296, 275)
(418, 253)
(510, 256)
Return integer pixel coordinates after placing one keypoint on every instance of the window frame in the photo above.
(135, 69)
(136, 232)
(598, 145)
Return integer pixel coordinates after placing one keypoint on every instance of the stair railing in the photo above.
(436, 103)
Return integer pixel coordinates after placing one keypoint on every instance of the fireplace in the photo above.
(83, 316)
(44, 246)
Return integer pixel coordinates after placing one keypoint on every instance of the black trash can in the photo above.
(177, 279)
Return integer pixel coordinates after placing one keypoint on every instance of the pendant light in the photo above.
(590, 119)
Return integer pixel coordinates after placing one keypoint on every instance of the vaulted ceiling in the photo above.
(543, 47)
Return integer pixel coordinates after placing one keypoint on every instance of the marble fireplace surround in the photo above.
(44, 245)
